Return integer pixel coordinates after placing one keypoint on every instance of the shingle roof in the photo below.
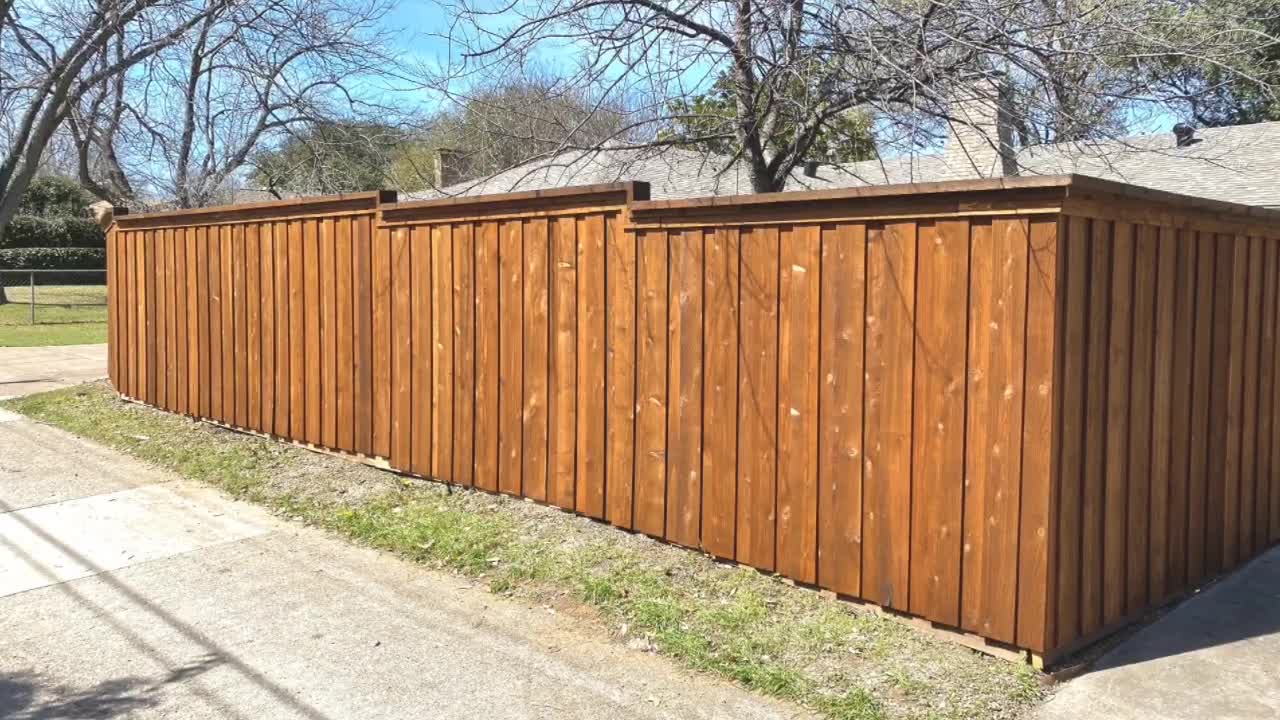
(1236, 164)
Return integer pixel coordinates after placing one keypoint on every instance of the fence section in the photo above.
(967, 401)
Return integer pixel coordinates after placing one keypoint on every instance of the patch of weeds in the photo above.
(790, 643)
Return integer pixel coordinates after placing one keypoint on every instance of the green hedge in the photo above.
(30, 231)
(53, 258)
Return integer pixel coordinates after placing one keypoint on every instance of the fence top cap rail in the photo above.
(627, 192)
(1070, 185)
(371, 198)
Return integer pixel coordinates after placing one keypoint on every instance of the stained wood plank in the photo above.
(1142, 368)
(362, 324)
(401, 352)
(1274, 500)
(511, 303)
(1266, 388)
(297, 333)
(215, 323)
(886, 519)
(1205, 251)
(380, 284)
(720, 414)
(146, 346)
(422, 387)
(345, 325)
(757, 395)
(1233, 472)
(313, 349)
(1041, 444)
(267, 313)
(442, 405)
(229, 349)
(589, 487)
(537, 338)
(239, 274)
(284, 334)
(1249, 484)
(562, 408)
(1216, 477)
(191, 287)
(684, 388)
(1114, 558)
(464, 353)
(1093, 502)
(203, 301)
(620, 372)
(253, 333)
(488, 319)
(998, 346)
(113, 304)
(799, 320)
(158, 312)
(651, 384)
(328, 287)
(1162, 415)
(1076, 310)
(938, 418)
(170, 367)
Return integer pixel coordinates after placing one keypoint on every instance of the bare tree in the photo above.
(185, 122)
(52, 55)
(1065, 69)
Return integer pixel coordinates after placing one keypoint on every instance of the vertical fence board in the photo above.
(1216, 478)
(590, 386)
(994, 425)
(229, 349)
(891, 296)
(620, 372)
(1093, 502)
(1041, 444)
(651, 384)
(562, 407)
(364, 335)
(844, 252)
(1115, 496)
(1274, 502)
(422, 387)
(442, 424)
(1078, 252)
(720, 413)
(757, 395)
(344, 352)
(401, 339)
(204, 359)
(297, 333)
(253, 326)
(799, 320)
(1202, 433)
(191, 288)
(487, 322)
(1180, 442)
(684, 388)
(267, 276)
(282, 234)
(159, 311)
(313, 349)
(464, 353)
(382, 389)
(1162, 418)
(511, 357)
(171, 319)
(537, 339)
(328, 285)
(1141, 515)
(1266, 379)
(239, 291)
(216, 334)
(1249, 424)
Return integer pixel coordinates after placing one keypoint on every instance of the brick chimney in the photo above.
(448, 167)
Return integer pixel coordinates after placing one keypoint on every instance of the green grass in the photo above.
(65, 315)
(790, 643)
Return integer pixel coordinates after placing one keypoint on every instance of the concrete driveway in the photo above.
(26, 370)
(1217, 655)
(125, 591)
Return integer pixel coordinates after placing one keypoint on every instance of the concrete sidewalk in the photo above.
(1217, 655)
(26, 370)
(125, 591)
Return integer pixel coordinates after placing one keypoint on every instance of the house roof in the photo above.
(1238, 164)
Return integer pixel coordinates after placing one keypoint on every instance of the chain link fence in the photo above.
(53, 297)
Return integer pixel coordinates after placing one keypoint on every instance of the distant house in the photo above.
(1237, 164)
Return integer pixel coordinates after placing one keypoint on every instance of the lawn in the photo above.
(65, 315)
(838, 659)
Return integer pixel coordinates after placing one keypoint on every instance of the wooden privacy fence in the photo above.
(1026, 409)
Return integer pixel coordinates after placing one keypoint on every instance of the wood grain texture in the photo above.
(651, 385)
(562, 401)
(537, 340)
(684, 388)
(1165, 325)
(1141, 514)
(886, 519)
(253, 331)
(1249, 394)
(487, 323)
(998, 347)
(1266, 382)
(1233, 465)
(1183, 353)
(421, 386)
(464, 353)
(344, 329)
(239, 273)
(620, 372)
(328, 287)
(297, 333)
(401, 340)
(511, 357)
(590, 383)
(1120, 355)
(1202, 433)
(757, 396)
(362, 325)
(382, 341)
(1075, 390)
(442, 355)
(938, 392)
(720, 412)
(267, 313)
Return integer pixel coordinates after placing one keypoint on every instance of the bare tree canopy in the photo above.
(1064, 69)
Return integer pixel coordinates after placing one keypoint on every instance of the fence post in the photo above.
(33, 297)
